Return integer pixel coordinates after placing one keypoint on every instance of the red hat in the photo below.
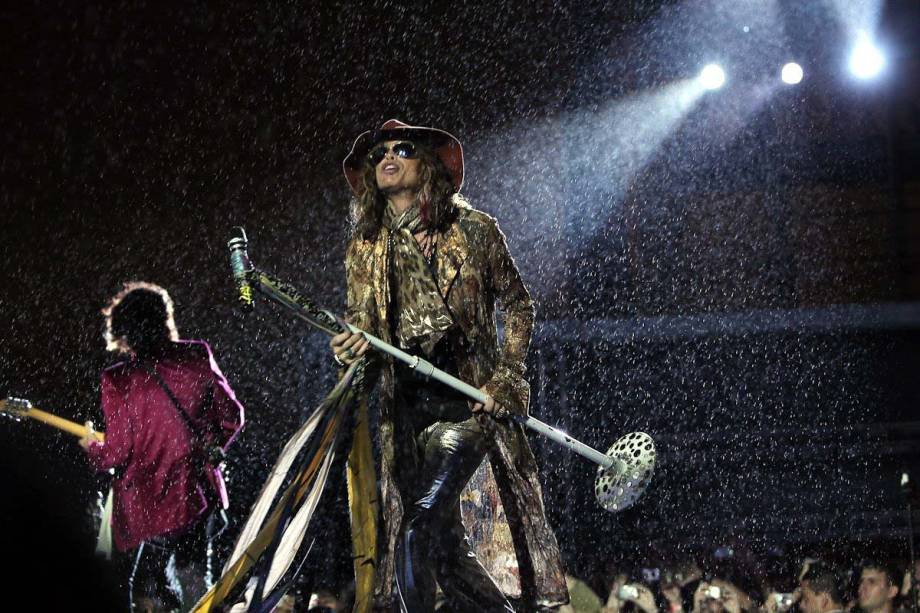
(445, 145)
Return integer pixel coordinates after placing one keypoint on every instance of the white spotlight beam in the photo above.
(712, 76)
(792, 73)
(858, 15)
(866, 60)
(609, 147)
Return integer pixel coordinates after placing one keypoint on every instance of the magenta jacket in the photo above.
(159, 487)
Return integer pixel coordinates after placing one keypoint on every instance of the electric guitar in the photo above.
(18, 408)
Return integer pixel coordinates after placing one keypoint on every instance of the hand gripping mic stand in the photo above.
(623, 473)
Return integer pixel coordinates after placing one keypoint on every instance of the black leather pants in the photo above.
(175, 571)
(433, 549)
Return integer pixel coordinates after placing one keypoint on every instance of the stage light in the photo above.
(866, 60)
(791, 73)
(712, 76)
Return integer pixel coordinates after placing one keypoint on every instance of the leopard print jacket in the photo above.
(474, 271)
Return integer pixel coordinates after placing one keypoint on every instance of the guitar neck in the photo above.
(60, 423)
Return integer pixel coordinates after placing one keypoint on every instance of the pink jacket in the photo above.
(160, 487)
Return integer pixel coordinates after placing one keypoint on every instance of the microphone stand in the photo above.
(624, 471)
(305, 309)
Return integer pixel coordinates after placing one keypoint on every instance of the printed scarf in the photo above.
(418, 315)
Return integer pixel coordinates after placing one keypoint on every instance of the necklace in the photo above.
(427, 245)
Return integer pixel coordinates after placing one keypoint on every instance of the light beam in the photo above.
(792, 73)
(712, 76)
(866, 60)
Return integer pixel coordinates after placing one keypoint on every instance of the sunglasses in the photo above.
(404, 149)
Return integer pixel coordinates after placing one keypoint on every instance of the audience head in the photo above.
(878, 586)
(821, 588)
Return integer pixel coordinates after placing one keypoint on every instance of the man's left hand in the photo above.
(90, 435)
(489, 407)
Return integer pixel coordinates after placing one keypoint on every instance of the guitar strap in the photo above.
(196, 432)
(211, 457)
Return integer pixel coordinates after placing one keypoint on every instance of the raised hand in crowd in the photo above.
(734, 598)
(672, 597)
(614, 603)
(645, 600)
(637, 593)
(717, 596)
(777, 602)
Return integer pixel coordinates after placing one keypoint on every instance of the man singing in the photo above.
(424, 271)
(169, 415)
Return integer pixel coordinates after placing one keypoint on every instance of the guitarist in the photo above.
(169, 415)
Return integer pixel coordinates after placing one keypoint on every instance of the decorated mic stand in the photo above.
(623, 473)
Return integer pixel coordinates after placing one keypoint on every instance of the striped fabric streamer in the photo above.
(272, 543)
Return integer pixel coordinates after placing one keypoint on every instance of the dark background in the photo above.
(739, 280)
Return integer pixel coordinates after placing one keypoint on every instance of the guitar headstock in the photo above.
(15, 407)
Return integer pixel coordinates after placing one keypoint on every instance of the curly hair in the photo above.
(139, 319)
(437, 199)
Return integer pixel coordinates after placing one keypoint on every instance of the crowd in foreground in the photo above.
(814, 586)
(871, 586)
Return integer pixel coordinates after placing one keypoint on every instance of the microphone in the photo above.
(241, 267)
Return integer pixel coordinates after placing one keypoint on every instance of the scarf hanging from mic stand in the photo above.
(269, 546)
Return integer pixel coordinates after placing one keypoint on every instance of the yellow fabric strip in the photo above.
(363, 507)
(215, 596)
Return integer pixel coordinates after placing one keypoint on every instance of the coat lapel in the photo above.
(381, 288)
(452, 252)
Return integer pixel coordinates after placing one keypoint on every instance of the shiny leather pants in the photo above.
(433, 549)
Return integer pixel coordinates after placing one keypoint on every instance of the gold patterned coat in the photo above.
(474, 270)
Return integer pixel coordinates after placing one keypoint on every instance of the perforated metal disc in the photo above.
(619, 487)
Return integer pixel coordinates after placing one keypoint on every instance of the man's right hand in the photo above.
(349, 346)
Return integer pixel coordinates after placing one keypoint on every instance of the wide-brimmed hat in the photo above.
(445, 145)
